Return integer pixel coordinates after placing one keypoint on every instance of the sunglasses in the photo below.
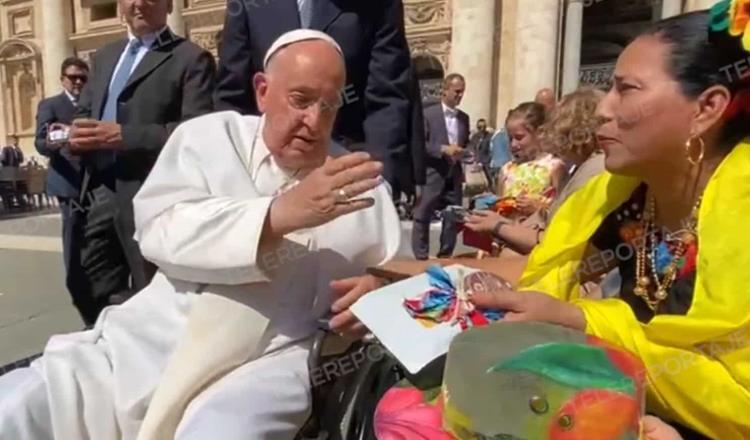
(74, 78)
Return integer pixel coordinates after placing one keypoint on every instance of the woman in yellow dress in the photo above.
(673, 215)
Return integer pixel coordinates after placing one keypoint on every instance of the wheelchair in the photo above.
(343, 404)
(346, 386)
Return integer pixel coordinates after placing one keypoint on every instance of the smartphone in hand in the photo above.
(458, 212)
(58, 134)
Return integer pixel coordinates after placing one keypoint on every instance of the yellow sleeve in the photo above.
(694, 387)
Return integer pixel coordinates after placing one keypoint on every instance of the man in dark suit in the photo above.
(53, 118)
(375, 111)
(479, 145)
(12, 155)
(446, 135)
(142, 87)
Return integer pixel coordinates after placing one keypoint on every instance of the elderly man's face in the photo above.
(145, 16)
(300, 95)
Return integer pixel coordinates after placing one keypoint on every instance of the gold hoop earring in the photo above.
(689, 150)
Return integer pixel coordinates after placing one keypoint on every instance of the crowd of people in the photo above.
(213, 242)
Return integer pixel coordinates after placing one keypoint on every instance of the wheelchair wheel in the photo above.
(23, 363)
(349, 407)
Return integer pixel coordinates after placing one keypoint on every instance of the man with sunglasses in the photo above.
(53, 119)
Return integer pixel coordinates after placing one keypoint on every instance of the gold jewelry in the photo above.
(663, 286)
(689, 150)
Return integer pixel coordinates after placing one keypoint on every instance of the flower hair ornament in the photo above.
(732, 18)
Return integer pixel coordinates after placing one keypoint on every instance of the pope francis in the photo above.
(249, 220)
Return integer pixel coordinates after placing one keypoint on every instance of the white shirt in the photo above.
(451, 123)
(305, 8)
(72, 98)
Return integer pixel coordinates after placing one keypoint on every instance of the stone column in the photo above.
(4, 102)
(670, 8)
(572, 52)
(537, 37)
(175, 20)
(56, 45)
(472, 52)
(697, 5)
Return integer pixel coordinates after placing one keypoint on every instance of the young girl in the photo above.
(533, 178)
(569, 133)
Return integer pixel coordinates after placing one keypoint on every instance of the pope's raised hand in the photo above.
(328, 192)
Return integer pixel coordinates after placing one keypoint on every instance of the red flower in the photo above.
(403, 414)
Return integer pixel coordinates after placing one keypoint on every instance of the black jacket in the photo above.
(172, 83)
(371, 34)
(64, 173)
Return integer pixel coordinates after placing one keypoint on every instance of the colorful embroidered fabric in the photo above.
(664, 254)
(631, 232)
(443, 302)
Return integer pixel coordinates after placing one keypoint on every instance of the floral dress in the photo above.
(531, 179)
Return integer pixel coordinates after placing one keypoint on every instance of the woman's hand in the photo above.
(328, 192)
(532, 306)
(528, 205)
(483, 221)
(655, 429)
(346, 292)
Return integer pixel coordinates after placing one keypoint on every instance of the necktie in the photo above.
(305, 12)
(105, 159)
(120, 79)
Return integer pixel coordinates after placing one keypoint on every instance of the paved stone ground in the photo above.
(34, 303)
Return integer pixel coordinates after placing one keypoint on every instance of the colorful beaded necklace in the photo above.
(666, 256)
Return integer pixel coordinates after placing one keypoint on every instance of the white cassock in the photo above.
(199, 217)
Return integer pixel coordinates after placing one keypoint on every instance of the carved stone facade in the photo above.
(487, 40)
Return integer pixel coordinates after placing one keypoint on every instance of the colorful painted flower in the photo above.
(441, 304)
(404, 414)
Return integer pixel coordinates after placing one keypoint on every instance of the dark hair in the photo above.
(450, 77)
(73, 61)
(533, 114)
(699, 59)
